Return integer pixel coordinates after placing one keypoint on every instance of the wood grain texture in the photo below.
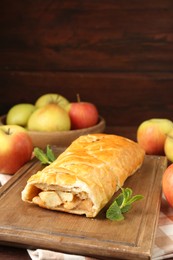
(36, 227)
(92, 36)
(122, 99)
(117, 54)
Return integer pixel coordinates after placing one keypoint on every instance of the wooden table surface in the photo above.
(13, 253)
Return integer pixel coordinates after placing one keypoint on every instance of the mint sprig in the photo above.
(44, 157)
(122, 204)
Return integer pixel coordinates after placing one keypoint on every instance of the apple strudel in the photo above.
(86, 175)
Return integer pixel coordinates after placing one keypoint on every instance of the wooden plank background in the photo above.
(116, 54)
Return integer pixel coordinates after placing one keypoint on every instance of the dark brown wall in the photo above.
(117, 54)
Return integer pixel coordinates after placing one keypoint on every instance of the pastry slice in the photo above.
(86, 175)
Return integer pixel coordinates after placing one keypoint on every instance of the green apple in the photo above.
(51, 98)
(151, 134)
(19, 114)
(168, 147)
(49, 118)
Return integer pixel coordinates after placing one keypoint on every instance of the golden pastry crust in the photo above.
(86, 175)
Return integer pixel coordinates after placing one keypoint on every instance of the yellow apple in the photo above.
(16, 148)
(49, 118)
(151, 135)
(168, 147)
(19, 114)
(51, 98)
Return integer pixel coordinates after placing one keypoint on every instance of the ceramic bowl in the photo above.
(61, 138)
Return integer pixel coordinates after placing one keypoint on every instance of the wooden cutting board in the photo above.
(28, 226)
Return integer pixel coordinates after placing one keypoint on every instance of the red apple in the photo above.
(16, 148)
(82, 114)
(167, 184)
(151, 135)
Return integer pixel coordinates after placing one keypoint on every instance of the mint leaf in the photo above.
(41, 156)
(122, 204)
(119, 199)
(127, 193)
(44, 158)
(125, 208)
(50, 154)
(114, 212)
(135, 198)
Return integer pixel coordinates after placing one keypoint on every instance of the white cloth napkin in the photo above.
(40, 254)
(4, 178)
(162, 249)
(163, 246)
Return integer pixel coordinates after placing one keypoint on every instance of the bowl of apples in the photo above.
(53, 120)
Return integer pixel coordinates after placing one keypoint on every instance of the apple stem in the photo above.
(78, 98)
(8, 131)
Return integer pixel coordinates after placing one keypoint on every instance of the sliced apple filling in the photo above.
(63, 199)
